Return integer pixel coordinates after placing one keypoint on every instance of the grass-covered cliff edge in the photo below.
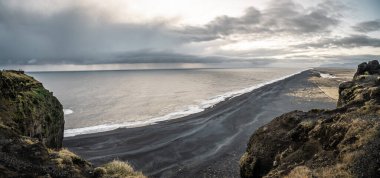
(31, 133)
(344, 142)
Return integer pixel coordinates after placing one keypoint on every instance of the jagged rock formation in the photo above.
(370, 68)
(344, 142)
(31, 133)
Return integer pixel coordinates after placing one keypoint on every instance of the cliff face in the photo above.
(344, 142)
(31, 133)
(29, 109)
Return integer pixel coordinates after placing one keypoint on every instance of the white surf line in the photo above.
(192, 109)
(67, 111)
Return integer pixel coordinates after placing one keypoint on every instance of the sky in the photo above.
(71, 33)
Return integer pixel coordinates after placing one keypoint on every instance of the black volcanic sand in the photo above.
(207, 144)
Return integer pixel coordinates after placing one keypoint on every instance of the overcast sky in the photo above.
(86, 32)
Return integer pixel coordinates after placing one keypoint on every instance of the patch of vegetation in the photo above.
(117, 169)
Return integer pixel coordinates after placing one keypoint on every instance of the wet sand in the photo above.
(206, 144)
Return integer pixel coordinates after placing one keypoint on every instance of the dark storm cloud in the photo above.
(73, 35)
(368, 26)
(81, 35)
(149, 56)
(132, 57)
(223, 26)
(352, 41)
(282, 17)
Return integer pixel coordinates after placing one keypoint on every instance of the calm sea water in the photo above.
(96, 101)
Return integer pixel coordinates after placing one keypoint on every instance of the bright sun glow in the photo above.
(189, 12)
(194, 12)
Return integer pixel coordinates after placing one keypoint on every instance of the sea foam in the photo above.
(192, 109)
(67, 111)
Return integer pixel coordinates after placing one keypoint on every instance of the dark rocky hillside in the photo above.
(344, 142)
(31, 133)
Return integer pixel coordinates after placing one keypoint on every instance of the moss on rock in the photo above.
(29, 109)
(31, 133)
(344, 142)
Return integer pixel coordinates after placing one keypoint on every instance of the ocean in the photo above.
(98, 101)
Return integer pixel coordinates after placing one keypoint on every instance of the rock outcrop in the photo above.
(344, 142)
(29, 109)
(31, 133)
(370, 68)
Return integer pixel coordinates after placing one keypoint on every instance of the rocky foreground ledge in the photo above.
(344, 142)
(31, 133)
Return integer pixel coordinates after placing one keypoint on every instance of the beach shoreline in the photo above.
(199, 108)
(208, 143)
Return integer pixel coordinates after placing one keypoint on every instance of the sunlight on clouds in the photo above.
(190, 11)
(328, 52)
(194, 12)
(268, 43)
(98, 31)
(248, 45)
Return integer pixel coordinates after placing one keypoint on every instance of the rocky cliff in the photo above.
(29, 109)
(31, 133)
(344, 142)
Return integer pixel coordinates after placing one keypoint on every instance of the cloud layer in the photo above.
(73, 35)
(368, 26)
(352, 41)
(80, 34)
(283, 17)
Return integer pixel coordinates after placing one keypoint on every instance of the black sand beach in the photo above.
(207, 144)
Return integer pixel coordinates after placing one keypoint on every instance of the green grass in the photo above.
(119, 169)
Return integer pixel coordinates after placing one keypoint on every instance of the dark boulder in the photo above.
(370, 68)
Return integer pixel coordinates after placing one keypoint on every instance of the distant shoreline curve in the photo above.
(193, 109)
